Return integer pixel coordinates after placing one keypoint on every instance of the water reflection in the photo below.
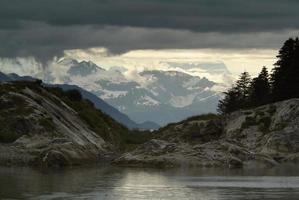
(110, 183)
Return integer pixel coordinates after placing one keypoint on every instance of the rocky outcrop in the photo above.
(48, 127)
(38, 128)
(267, 136)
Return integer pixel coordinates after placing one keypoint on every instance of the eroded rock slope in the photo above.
(267, 136)
(46, 126)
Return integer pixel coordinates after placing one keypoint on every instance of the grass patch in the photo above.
(204, 117)
(137, 137)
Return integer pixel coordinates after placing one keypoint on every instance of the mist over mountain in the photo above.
(98, 102)
(212, 68)
(205, 91)
(160, 96)
(108, 109)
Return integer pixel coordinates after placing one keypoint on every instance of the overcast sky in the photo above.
(227, 29)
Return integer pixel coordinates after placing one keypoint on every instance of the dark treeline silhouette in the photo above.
(281, 84)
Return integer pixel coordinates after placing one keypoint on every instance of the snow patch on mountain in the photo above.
(182, 101)
(108, 94)
(199, 99)
(217, 71)
(147, 101)
(155, 95)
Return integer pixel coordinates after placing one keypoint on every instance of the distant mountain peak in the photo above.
(161, 96)
(83, 68)
(68, 61)
(98, 102)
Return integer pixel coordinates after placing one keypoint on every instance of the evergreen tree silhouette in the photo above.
(230, 102)
(243, 88)
(260, 89)
(282, 84)
(237, 97)
(285, 76)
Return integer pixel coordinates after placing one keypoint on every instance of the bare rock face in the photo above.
(212, 154)
(267, 136)
(40, 129)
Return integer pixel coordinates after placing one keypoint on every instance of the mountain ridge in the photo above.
(99, 103)
(148, 95)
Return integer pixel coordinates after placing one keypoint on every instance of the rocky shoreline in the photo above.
(51, 133)
(265, 136)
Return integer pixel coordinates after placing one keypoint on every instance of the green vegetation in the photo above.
(74, 95)
(100, 123)
(12, 126)
(203, 117)
(135, 137)
(281, 84)
(259, 119)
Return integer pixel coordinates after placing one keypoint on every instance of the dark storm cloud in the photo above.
(44, 28)
(197, 15)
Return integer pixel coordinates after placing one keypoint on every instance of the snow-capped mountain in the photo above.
(150, 95)
(217, 72)
(177, 89)
(98, 102)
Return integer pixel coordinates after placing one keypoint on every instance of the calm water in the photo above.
(111, 183)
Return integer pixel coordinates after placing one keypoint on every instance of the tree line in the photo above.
(281, 84)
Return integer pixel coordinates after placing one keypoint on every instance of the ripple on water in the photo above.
(117, 184)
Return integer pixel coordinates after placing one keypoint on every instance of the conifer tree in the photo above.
(230, 102)
(237, 97)
(282, 84)
(260, 89)
(285, 76)
(243, 88)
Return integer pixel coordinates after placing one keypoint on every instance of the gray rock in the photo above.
(53, 135)
(264, 136)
